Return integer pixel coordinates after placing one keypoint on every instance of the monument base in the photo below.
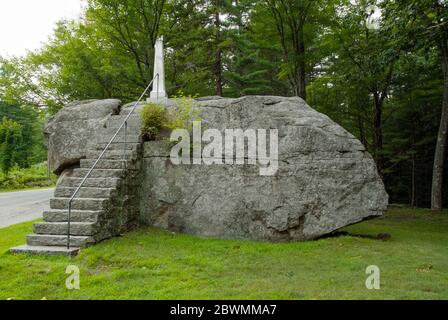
(163, 101)
(157, 97)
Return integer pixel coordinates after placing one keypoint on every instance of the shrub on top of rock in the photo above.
(185, 112)
(154, 118)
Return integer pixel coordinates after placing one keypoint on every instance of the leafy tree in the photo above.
(248, 71)
(373, 53)
(131, 28)
(188, 41)
(10, 140)
(31, 149)
(20, 84)
(107, 54)
(411, 128)
(298, 24)
(425, 22)
(197, 40)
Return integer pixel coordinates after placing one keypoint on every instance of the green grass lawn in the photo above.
(155, 264)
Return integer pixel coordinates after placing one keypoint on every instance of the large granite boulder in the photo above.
(69, 132)
(325, 180)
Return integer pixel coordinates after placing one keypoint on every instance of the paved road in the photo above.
(21, 206)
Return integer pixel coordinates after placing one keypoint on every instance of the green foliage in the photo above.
(10, 140)
(185, 113)
(31, 149)
(300, 24)
(410, 129)
(107, 54)
(154, 118)
(35, 176)
(248, 72)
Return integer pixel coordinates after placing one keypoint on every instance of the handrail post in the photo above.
(125, 142)
(68, 225)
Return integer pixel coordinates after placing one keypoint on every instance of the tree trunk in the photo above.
(413, 191)
(218, 61)
(301, 76)
(378, 132)
(439, 157)
(362, 133)
(413, 165)
(301, 85)
(413, 182)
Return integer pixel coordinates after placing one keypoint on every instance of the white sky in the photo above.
(26, 24)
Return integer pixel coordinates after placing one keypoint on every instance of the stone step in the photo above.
(98, 173)
(112, 154)
(80, 203)
(90, 182)
(58, 240)
(76, 215)
(45, 250)
(115, 146)
(108, 164)
(84, 192)
(60, 228)
(133, 134)
(132, 138)
(134, 123)
(102, 200)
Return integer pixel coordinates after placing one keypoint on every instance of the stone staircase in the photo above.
(105, 206)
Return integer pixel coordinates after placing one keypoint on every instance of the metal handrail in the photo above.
(123, 124)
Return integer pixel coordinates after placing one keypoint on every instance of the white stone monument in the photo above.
(158, 93)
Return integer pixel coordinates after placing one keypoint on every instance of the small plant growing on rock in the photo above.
(185, 113)
(154, 118)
